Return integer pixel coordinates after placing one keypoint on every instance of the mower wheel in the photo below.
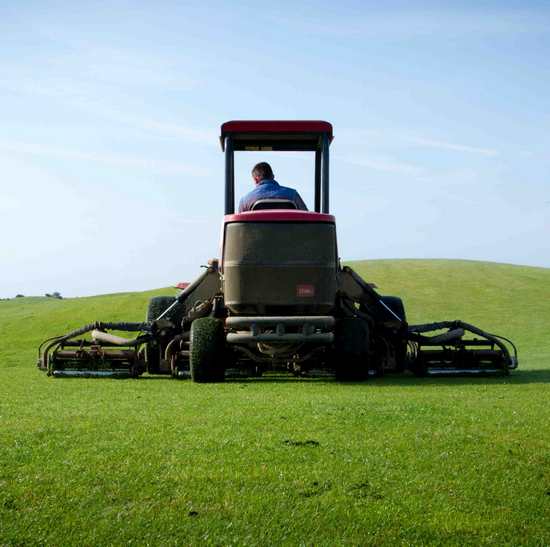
(351, 349)
(154, 349)
(207, 350)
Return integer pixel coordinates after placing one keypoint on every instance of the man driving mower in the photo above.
(267, 188)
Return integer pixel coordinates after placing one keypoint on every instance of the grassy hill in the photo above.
(396, 460)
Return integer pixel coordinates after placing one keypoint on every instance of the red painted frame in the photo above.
(279, 215)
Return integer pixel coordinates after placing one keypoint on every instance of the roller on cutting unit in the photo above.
(277, 299)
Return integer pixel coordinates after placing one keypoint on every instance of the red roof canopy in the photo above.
(276, 134)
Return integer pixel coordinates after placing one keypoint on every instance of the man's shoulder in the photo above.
(268, 182)
(287, 190)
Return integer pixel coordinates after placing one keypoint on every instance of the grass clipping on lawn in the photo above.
(396, 460)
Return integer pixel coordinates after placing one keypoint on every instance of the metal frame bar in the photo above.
(322, 167)
(317, 207)
(291, 337)
(322, 321)
(229, 176)
(325, 175)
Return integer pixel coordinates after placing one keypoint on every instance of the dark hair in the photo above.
(263, 170)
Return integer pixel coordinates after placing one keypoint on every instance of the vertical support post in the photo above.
(317, 207)
(324, 175)
(229, 177)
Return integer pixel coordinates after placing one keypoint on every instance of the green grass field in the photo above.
(394, 461)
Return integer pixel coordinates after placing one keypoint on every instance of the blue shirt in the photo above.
(270, 189)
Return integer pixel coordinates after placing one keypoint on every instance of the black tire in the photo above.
(153, 350)
(351, 341)
(207, 350)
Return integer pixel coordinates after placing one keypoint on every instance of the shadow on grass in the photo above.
(279, 378)
(540, 376)
(284, 379)
(537, 376)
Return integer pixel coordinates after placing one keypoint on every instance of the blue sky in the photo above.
(111, 171)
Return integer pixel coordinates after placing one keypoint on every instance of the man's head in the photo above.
(262, 171)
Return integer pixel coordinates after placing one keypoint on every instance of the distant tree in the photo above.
(57, 295)
(19, 296)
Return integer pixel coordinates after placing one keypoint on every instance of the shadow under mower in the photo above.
(279, 299)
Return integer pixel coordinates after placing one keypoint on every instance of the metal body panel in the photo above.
(209, 286)
(269, 266)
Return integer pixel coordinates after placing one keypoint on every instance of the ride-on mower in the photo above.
(278, 299)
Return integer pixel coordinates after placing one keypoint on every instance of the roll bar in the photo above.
(321, 202)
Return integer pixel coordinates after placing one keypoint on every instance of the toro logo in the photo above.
(305, 291)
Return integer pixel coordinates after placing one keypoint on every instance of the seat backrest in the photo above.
(273, 203)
